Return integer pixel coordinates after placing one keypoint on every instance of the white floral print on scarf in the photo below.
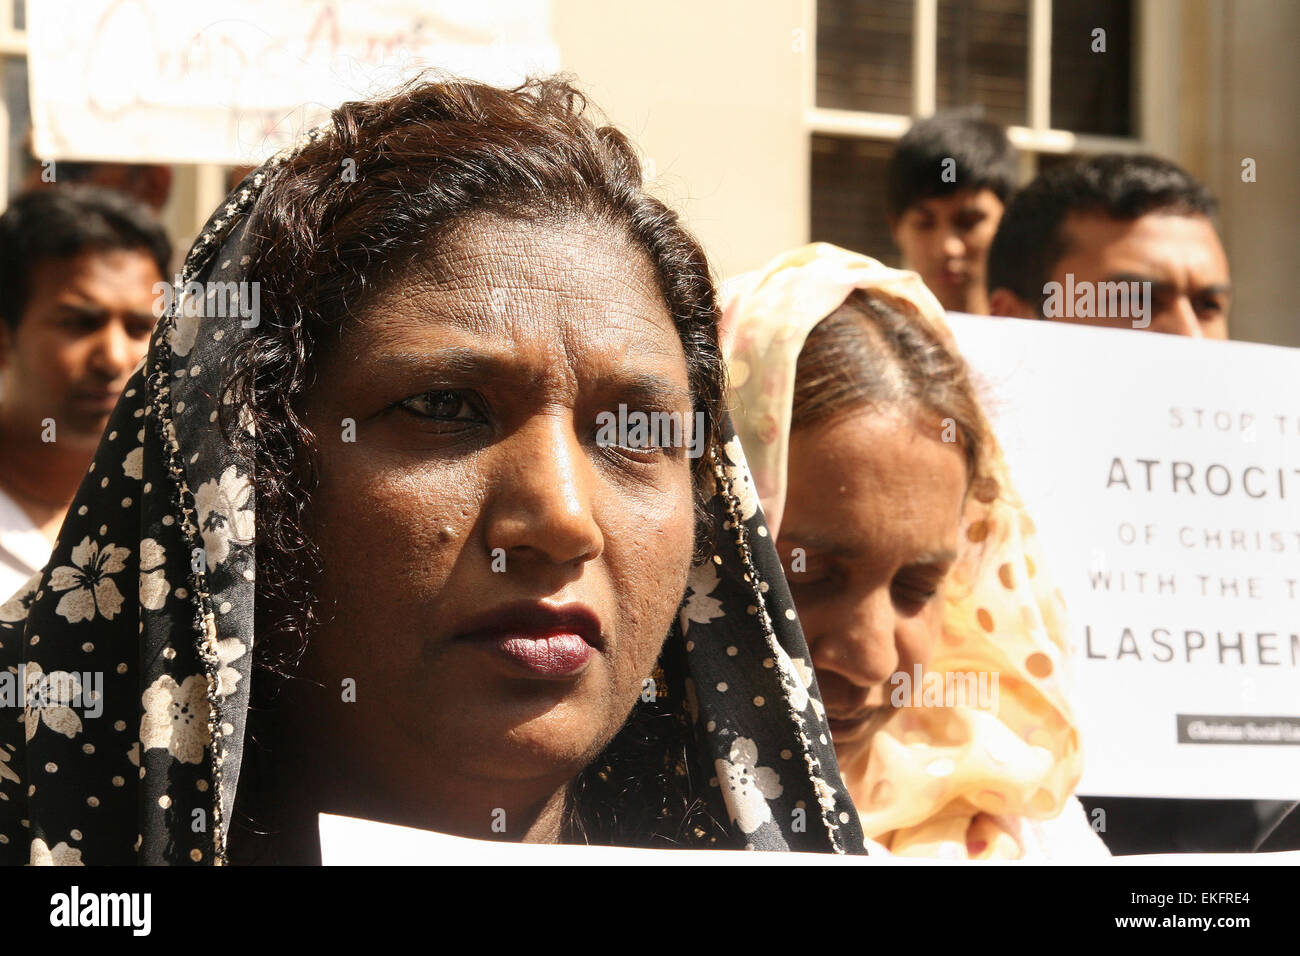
(90, 590)
(223, 517)
(52, 693)
(746, 787)
(176, 717)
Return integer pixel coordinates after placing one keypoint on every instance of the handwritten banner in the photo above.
(161, 81)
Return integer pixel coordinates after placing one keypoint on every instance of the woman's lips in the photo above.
(554, 655)
(543, 640)
(841, 726)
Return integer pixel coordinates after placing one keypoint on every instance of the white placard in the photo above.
(348, 841)
(161, 81)
(1163, 474)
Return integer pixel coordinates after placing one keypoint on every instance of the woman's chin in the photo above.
(507, 742)
(853, 740)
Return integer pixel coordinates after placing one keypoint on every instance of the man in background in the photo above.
(948, 182)
(1130, 219)
(1078, 229)
(78, 266)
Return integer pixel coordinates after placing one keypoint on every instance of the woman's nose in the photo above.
(543, 498)
(859, 644)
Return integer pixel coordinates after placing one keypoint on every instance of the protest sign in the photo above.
(154, 81)
(1163, 474)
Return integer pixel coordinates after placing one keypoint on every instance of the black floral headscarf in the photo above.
(133, 646)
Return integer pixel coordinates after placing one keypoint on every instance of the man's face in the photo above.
(1180, 256)
(946, 239)
(85, 328)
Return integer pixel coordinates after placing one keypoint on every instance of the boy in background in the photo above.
(948, 181)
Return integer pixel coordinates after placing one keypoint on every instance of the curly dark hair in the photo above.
(424, 159)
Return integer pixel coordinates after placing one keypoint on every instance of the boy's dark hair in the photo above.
(1030, 241)
(63, 222)
(984, 159)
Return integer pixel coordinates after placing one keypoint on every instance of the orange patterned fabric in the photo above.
(950, 781)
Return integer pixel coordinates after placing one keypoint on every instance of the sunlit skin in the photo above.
(475, 383)
(946, 239)
(875, 502)
(1181, 256)
(84, 329)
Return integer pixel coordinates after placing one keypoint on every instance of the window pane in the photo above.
(864, 55)
(983, 57)
(1092, 92)
(848, 195)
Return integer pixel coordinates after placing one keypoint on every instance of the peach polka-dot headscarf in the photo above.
(932, 781)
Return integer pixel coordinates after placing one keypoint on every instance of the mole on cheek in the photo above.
(446, 534)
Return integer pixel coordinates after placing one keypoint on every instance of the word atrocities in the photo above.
(640, 430)
(1185, 477)
(75, 908)
(211, 300)
(1098, 300)
(35, 691)
(945, 689)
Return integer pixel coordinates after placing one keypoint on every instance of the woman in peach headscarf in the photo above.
(937, 639)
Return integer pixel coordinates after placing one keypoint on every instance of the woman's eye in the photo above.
(638, 435)
(644, 444)
(810, 576)
(443, 406)
(914, 594)
(631, 450)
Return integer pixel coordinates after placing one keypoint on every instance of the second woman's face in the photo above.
(872, 515)
(498, 583)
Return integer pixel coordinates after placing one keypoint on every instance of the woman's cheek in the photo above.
(384, 533)
(649, 555)
(922, 639)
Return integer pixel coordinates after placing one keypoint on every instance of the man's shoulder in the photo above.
(23, 548)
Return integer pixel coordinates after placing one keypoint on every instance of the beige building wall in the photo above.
(1226, 87)
(711, 91)
(1247, 105)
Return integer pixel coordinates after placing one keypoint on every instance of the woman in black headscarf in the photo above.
(392, 345)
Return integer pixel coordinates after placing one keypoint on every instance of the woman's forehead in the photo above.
(509, 278)
(512, 313)
(574, 256)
